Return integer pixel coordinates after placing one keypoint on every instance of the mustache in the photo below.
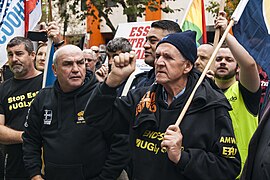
(16, 64)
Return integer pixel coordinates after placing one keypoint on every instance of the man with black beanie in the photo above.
(202, 147)
(158, 30)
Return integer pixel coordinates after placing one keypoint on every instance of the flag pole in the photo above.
(48, 51)
(185, 15)
(234, 19)
(26, 17)
(50, 11)
(217, 31)
(204, 33)
(239, 10)
(182, 114)
(49, 46)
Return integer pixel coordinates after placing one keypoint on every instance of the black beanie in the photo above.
(185, 42)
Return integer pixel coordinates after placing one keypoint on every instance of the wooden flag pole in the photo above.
(50, 11)
(182, 114)
(186, 13)
(217, 31)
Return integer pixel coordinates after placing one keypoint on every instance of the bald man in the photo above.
(204, 53)
(72, 149)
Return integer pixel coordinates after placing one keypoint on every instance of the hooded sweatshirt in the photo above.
(72, 149)
(209, 149)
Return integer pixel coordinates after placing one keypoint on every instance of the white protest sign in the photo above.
(136, 32)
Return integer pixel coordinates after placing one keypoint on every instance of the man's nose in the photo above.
(146, 45)
(75, 67)
(159, 61)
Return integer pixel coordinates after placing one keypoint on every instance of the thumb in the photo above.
(133, 58)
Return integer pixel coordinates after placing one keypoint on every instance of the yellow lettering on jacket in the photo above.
(227, 140)
(153, 135)
(229, 151)
(147, 145)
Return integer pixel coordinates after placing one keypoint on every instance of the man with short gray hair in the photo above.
(72, 149)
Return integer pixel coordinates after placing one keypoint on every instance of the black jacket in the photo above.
(72, 149)
(146, 78)
(209, 148)
(257, 164)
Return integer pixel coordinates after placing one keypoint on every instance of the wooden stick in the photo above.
(50, 11)
(217, 31)
(182, 114)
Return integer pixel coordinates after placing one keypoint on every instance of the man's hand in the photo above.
(122, 66)
(221, 22)
(173, 142)
(37, 177)
(53, 32)
(210, 74)
(102, 73)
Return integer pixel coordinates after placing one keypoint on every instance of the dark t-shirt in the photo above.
(15, 99)
(251, 99)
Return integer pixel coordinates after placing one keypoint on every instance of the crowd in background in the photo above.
(101, 121)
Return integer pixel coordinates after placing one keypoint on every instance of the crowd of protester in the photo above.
(100, 121)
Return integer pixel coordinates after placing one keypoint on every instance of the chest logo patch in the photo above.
(47, 117)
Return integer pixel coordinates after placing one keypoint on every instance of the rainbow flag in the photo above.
(195, 20)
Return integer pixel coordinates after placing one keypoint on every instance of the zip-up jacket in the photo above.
(72, 149)
(209, 150)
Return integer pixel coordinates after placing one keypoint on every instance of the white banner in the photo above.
(12, 23)
(136, 33)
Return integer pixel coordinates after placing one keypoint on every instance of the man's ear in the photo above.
(237, 69)
(33, 55)
(187, 67)
(54, 70)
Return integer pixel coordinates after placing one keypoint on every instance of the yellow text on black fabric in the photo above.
(228, 150)
(227, 140)
(21, 101)
(154, 135)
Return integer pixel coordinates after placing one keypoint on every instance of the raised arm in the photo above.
(122, 66)
(248, 75)
(103, 108)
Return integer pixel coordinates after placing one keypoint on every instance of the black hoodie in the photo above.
(209, 148)
(72, 149)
